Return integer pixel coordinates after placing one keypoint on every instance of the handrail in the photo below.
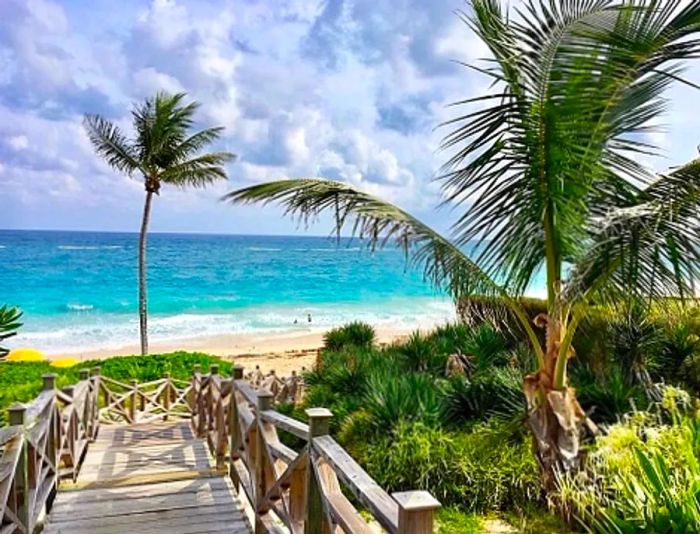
(289, 490)
(45, 442)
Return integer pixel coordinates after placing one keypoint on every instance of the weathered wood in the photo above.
(315, 523)
(368, 492)
(262, 472)
(288, 424)
(247, 391)
(17, 416)
(159, 487)
(151, 476)
(416, 512)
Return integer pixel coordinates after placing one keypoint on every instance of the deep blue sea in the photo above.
(78, 290)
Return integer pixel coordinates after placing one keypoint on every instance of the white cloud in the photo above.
(18, 142)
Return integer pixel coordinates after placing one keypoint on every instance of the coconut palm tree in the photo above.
(163, 151)
(546, 172)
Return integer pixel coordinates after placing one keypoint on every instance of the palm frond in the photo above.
(199, 171)
(648, 250)
(110, 143)
(379, 223)
(578, 83)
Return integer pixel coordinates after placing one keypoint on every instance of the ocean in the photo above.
(78, 290)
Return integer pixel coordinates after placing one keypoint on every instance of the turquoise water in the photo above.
(78, 289)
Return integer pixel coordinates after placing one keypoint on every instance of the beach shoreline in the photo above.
(282, 351)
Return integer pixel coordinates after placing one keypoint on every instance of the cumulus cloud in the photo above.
(346, 89)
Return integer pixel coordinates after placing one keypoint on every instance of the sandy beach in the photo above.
(281, 351)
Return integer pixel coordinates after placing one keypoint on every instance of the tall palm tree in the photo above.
(164, 151)
(547, 169)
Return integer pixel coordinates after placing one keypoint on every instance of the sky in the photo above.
(345, 89)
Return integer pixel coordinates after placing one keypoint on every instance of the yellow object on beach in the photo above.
(26, 354)
(66, 361)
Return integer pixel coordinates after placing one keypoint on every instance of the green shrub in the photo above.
(394, 398)
(496, 392)
(488, 347)
(486, 469)
(643, 475)
(606, 396)
(356, 334)
(421, 354)
(636, 345)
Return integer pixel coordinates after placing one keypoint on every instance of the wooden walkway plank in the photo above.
(147, 478)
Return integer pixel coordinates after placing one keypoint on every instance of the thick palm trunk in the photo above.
(143, 299)
(555, 416)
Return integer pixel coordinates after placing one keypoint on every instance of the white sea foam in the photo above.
(84, 332)
(89, 247)
(2, 246)
(263, 249)
(79, 307)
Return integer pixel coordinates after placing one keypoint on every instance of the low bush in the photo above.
(486, 469)
(643, 475)
(355, 334)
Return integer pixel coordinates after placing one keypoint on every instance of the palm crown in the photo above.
(548, 168)
(163, 150)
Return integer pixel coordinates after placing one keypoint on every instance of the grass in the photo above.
(21, 381)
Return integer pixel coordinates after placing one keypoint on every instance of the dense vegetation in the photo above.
(414, 418)
(21, 381)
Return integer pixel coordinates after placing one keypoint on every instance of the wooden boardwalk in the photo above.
(172, 456)
(155, 477)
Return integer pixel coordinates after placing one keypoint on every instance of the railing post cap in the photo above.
(416, 501)
(317, 413)
(133, 381)
(84, 373)
(96, 371)
(49, 381)
(214, 369)
(265, 393)
(18, 413)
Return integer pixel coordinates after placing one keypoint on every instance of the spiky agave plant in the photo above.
(547, 167)
(9, 324)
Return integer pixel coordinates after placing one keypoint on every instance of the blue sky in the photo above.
(346, 89)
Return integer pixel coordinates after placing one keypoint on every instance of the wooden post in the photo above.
(54, 431)
(132, 405)
(261, 469)
(194, 393)
(49, 381)
(17, 416)
(319, 422)
(235, 439)
(415, 511)
(166, 396)
(214, 369)
(95, 415)
(84, 374)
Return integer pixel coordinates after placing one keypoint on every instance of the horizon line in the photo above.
(330, 235)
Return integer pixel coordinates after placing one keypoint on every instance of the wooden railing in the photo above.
(288, 490)
(45, 441)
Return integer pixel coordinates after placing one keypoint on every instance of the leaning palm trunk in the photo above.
(143, 297)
